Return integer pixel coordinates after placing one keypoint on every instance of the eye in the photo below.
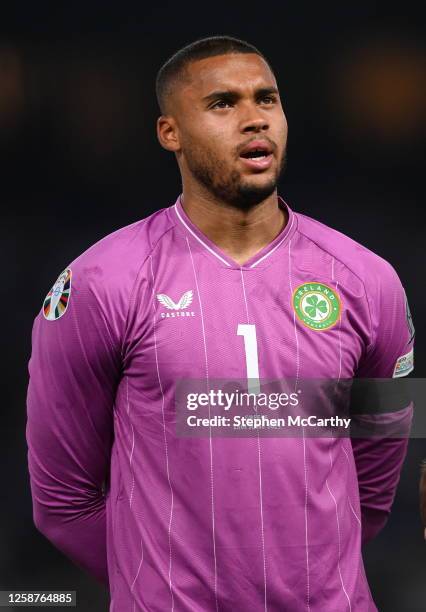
(220, 102)
(268, 99)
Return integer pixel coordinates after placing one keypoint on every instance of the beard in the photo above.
(227, 185)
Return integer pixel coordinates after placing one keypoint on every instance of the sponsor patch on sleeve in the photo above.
(404, 365)
(56, 301)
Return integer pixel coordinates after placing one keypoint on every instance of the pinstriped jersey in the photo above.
(209, 523)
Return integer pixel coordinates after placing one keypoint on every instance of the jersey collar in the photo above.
(258, 259)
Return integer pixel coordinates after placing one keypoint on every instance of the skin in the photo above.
(234, 206)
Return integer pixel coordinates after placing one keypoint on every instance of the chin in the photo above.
(263, 185)
(250, 194)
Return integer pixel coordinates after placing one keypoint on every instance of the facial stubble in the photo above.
(226, 184)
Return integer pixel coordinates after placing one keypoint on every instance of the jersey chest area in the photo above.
(201, 322)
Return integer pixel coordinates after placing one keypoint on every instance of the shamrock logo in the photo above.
(315, 305)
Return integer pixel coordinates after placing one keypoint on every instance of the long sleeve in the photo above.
(74, 371)
(379, 459)
(379, 462)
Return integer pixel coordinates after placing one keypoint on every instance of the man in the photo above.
(228, 282)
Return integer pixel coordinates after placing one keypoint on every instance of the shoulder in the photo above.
(127, 246)
(116, 259)
(354, 260)
(104, 277)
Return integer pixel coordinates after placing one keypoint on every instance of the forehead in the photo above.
(234, 71)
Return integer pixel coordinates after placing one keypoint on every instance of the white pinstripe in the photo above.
(132, 471)
(294, 318)
(210, 436)
(133, 445)
(338, 531)
(351, 507)
(338, 540)
(305, 469)
(206, 246)
(340, 324)
(331, 461)
(137, 574)
(165, 441)
(133, 483)
(244, 294)
(260, 472)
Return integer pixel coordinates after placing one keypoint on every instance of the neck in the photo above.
(238, 233)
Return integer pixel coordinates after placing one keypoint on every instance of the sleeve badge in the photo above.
(56, 301)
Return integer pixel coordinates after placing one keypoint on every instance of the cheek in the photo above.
(285, 128)
(282, 123)
(281, 135)
(207, 145)
(216, 134)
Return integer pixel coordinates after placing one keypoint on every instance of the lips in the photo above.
(257, 155)
(256, 146)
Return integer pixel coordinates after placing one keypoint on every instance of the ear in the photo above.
(168, 133)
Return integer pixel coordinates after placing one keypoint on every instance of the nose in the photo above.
(253, 121)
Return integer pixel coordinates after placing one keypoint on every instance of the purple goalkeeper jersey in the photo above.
(211, 523)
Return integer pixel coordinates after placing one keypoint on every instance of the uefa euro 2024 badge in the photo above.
(56, 302)
(316, 305)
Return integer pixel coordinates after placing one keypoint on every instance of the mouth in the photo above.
(257, 155)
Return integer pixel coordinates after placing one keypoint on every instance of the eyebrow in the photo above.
(234, 95)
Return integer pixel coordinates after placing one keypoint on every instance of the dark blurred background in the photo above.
(79, 158)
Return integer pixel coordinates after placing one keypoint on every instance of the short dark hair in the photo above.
(173, 70)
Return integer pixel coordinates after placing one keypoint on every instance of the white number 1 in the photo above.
(252, 360)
